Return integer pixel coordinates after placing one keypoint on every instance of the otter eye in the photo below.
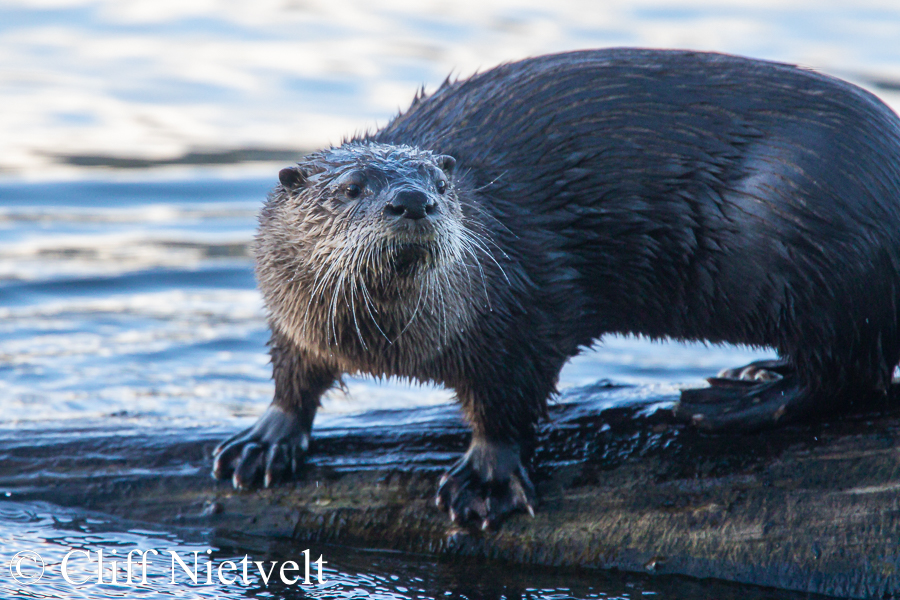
(441, 186)
(353, 190)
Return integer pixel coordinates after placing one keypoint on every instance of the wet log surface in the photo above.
(811, 508)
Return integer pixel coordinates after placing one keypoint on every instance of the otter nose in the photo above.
(410, 204)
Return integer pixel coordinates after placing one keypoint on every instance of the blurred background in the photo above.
(139, 82)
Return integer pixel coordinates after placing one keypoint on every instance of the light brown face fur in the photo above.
(346, 279)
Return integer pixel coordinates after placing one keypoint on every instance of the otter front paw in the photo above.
(486, 485)
(270, 451)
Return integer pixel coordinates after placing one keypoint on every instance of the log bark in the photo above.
(812, 508)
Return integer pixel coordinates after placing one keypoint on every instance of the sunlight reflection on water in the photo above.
(156, 78)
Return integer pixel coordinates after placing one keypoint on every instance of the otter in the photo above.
(505, 222)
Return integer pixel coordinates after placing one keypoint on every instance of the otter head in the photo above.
(394, 204)
(367, 234)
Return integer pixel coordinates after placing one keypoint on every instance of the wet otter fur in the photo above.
(498, 226)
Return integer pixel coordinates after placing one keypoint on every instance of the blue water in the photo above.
(346, 573)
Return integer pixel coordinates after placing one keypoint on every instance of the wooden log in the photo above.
(621, 485)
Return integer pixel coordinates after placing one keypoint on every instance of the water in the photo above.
(158, 78)
(347, 572)
(130, 293)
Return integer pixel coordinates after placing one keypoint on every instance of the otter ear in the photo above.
(447, 163)
(292, 177)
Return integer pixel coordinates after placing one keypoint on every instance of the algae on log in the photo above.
(621, 485)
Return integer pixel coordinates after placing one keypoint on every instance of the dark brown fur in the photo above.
(663, 193)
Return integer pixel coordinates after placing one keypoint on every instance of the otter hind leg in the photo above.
(759, 395)
(759, 370)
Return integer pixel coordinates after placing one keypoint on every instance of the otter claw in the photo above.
(757, 371)
(486, 486)
(269, 452)
(249, 466)
(742, 406)
(277, 464)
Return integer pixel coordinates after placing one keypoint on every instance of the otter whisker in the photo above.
(487, 217)
(332, 308)
(318, 285)
(469, 249)
(363, 258)
(369, 307)
(491, 182)
(414, 314)
(353, 312)
(479, 229)
(331, 280)
(476, 240)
